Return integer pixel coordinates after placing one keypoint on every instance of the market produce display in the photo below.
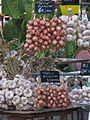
(83, 33)
(75, 96)
(86, 94)
(43, 34)
(17, 94)
(69, 25)
(52, 97)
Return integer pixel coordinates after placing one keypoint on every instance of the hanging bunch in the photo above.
(69, 25)
(84, 33)
(43, 34)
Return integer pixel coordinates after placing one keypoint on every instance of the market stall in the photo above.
(39, 55)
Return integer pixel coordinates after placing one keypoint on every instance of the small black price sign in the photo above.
(85, 69)
(70, 2)
(50, 76)
(44, 7)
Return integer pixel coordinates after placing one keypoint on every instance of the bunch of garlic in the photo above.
(70, 27)
(17, 94)
(83, 33)
(86, 94)
(75, 96)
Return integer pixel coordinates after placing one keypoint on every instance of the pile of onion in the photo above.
(41, 34)
(50, 97)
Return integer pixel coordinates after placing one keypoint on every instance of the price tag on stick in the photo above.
(85, 69)
(44, 7)
(49, 76)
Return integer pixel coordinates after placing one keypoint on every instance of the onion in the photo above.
(43, 47)
(54, 42)
(36, 49)
(42, 22)
(47, 24)
(58, 28)
(52, 29)
(45, 32)
(58, 37)
(59, 21)
(61, 43)
(54, 24)
(28, 36)
(35, 38)
(26, 45)
(35, 23)
(40, 41)
(55, 33)
(45, 43)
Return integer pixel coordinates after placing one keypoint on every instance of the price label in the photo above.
(50, 76)
(70, 2)
(85, 69)
(44, 7)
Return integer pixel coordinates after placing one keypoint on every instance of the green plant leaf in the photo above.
(10, 7)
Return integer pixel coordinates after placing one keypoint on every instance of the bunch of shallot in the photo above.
(52, 97)
(44, 33)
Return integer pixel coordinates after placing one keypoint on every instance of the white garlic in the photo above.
(84, 21)
(18, 91)
(80, 42)
(69, 37)
(24, 100)
(86, 44)
(82, 28)
(84, 94)
(19, 107)
(16, 100)
(2, 99)
(12, 84)
(70, 31)
(70, 23)
(9, 95)
(27, 92)
(86, 33)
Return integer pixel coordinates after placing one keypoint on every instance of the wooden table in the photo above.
(23, 115)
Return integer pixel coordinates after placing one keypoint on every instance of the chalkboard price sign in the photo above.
(85, 69)
(49, 76)
(70, 2)
(44, 7)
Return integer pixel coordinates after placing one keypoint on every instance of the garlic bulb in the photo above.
(24, 100)
(2, 99)
(19, 107)
(16, 100)
(82, 28)
(70, 23)
(27, 92)
(70, 31)
(84, 21)
(86, 33)
(9, 95)
(69, 37)
(86, 44)
(12, 84)
(80, 42)
(18, 91)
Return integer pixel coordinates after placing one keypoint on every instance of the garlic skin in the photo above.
(86, 44)
(18, 91)
(9, 95)
(70, 23)
(19, 107)
(16, 100)
(80, 42)
(12, 84)
(27, 92)
(24, 100)
(81, 28)
(69, 37)
(84, 21)
(2, 99)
